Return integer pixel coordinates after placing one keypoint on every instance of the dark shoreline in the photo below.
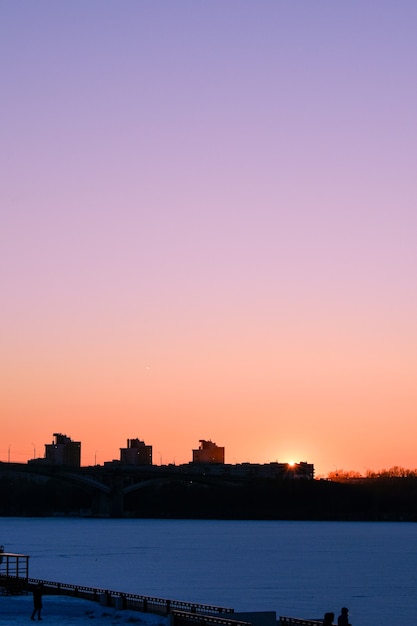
(379, 499)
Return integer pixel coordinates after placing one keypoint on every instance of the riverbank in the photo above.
(383, 499)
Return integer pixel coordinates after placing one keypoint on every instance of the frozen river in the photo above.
(301, 569)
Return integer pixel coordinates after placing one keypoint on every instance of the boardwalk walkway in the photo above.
(181, 613)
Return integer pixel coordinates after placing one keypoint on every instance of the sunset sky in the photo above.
(209, 229)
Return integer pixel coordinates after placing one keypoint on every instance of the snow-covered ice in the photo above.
(67, 611)
(300, 569)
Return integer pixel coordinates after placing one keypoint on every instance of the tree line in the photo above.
(393, 472)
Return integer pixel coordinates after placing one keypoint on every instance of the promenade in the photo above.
(180, 613)
(15, 580)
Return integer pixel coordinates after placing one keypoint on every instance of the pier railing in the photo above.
(183, 618)
(294, 621)
(117, 599)
(182, 613)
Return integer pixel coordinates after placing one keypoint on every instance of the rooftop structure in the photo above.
(63, 451)
(136, 453)
(208, 452)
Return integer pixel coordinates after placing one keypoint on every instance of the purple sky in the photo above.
(208, 226)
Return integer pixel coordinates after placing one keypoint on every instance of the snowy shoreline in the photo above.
(66, 611)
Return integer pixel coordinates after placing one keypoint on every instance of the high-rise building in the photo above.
(136, 453)
(208, 452)
(63, 451)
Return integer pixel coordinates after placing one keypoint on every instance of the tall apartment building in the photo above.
(136, 453)
(208, 452)
(63, 451)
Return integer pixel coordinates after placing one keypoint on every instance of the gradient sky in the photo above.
(208, 229)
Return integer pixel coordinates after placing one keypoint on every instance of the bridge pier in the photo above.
(116, 501)
(108, 504)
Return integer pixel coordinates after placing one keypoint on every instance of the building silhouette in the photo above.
(208, 459)
(63, 451)
(208, 452)
(136, 453)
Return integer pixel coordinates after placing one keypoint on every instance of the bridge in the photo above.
(110, 484)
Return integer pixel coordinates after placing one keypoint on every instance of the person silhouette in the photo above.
(343, 619)
(328, 619)
(37, 601)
